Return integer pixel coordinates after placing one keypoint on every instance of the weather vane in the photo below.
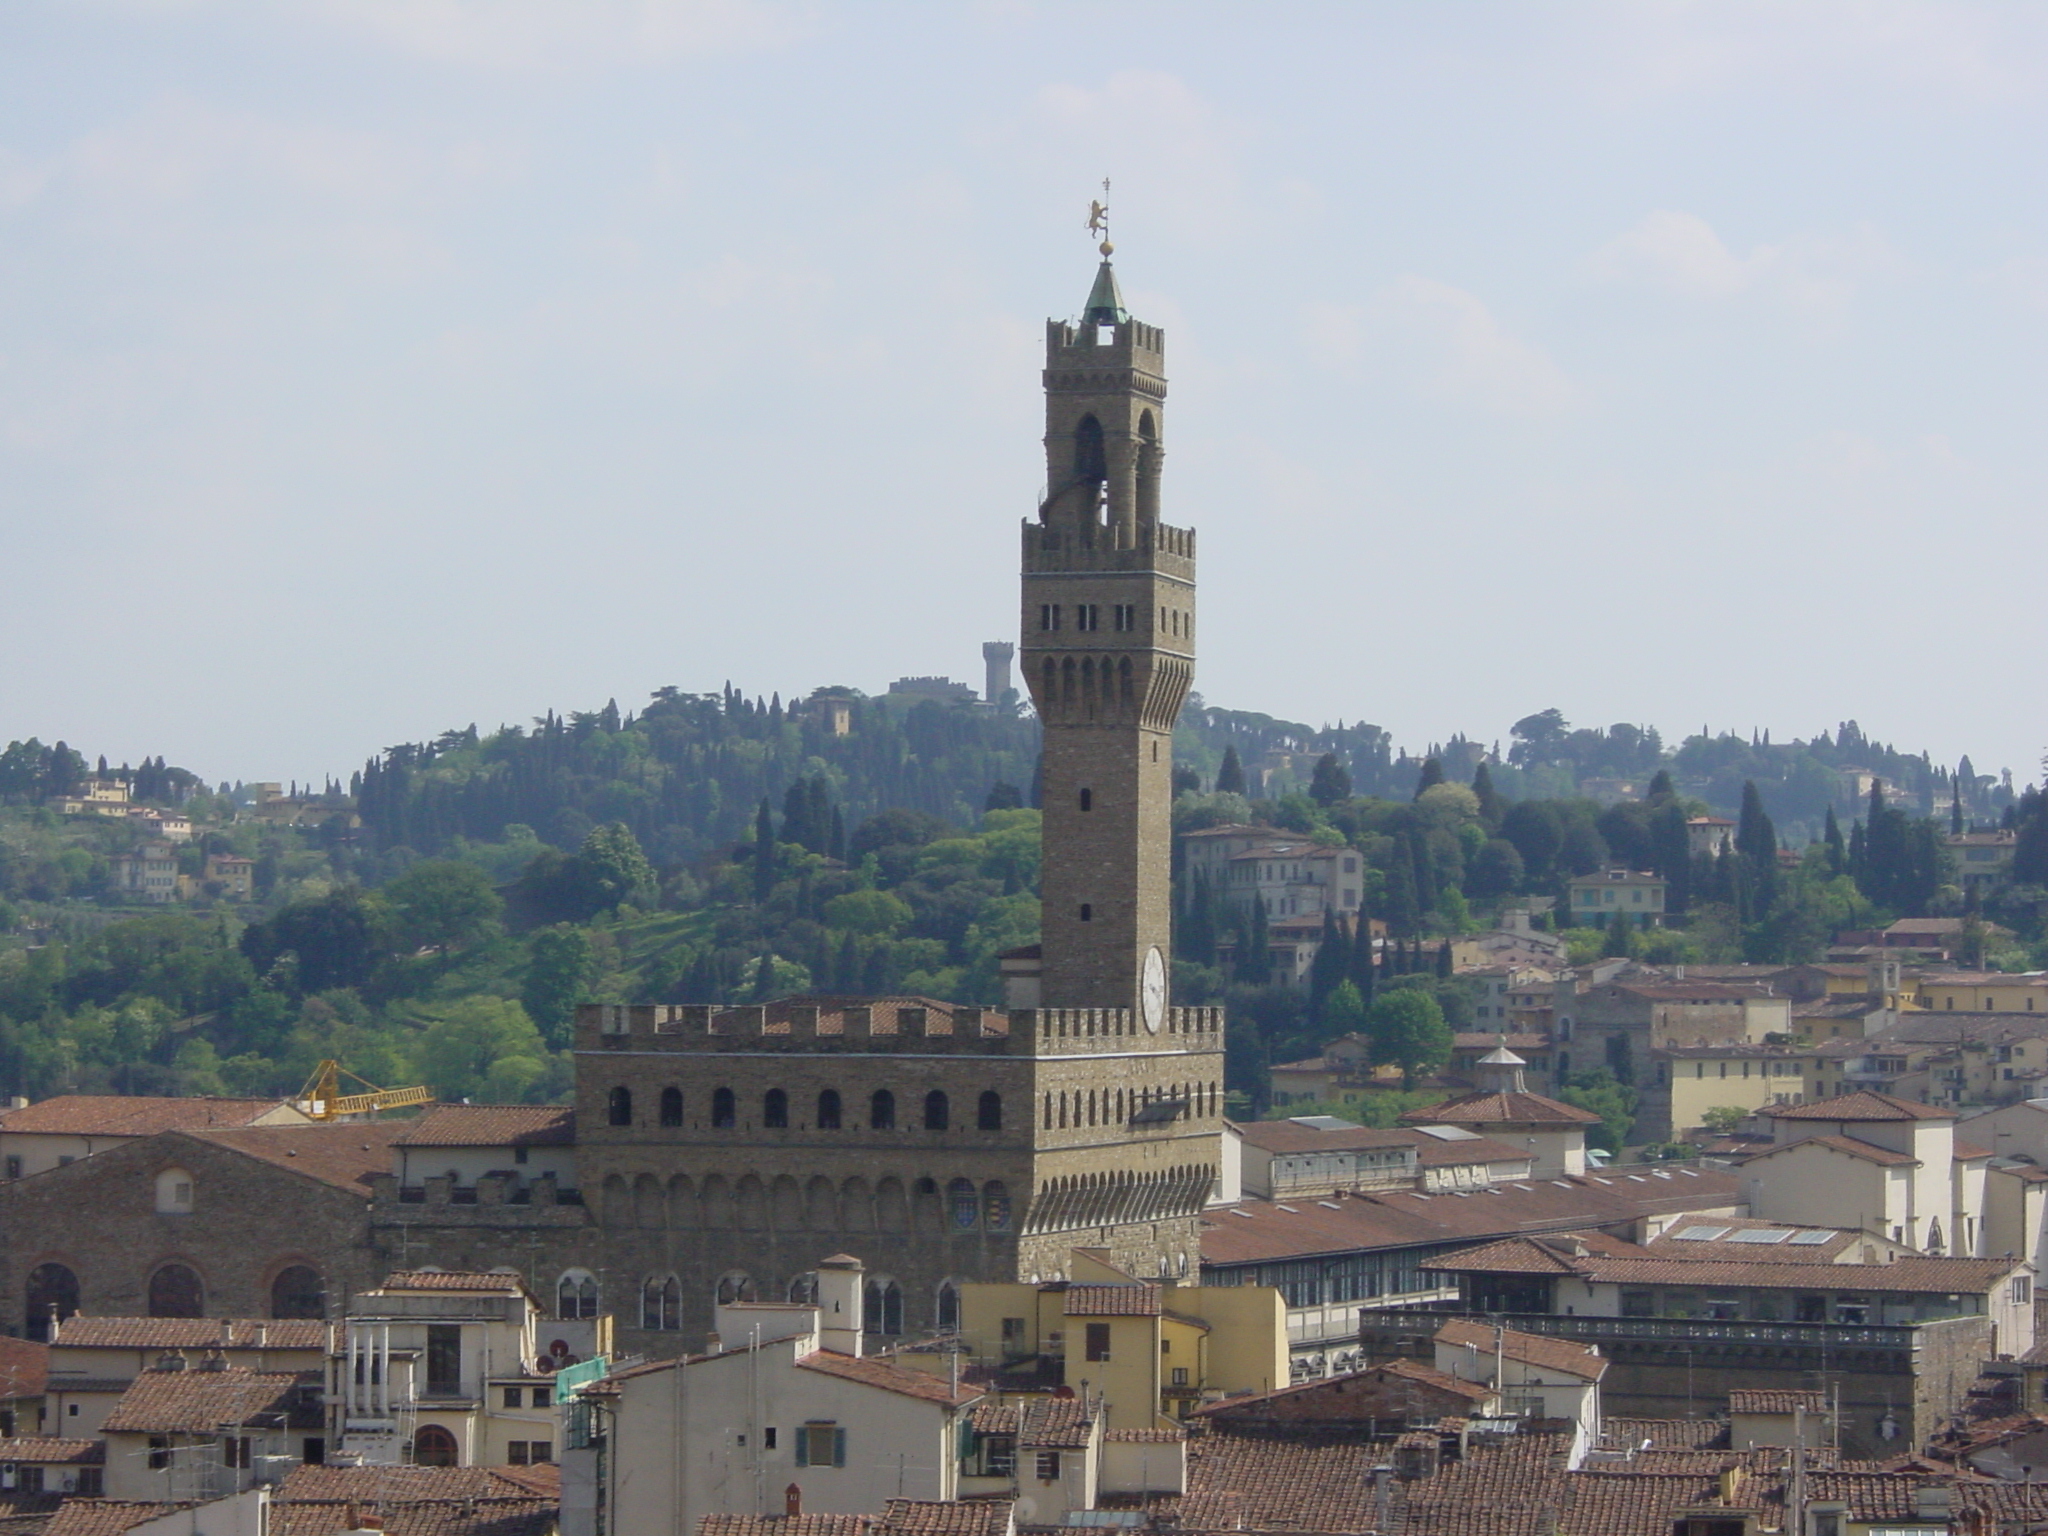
(1098, 219)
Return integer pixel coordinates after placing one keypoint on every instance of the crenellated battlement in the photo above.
(1053, 549)
(888, 1026)
(1072, 345)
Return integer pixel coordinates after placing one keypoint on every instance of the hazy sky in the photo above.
(370, 367)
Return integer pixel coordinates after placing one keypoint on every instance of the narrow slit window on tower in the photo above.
(1087, 799)
(1087, 912)
(1126, 616)
(1087, 616)
(1048, 615)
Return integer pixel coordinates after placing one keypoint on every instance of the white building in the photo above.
(785, 1408)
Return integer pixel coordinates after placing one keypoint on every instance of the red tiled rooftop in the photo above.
(86, 1332)
(491, 1125)
(109, 1114)
(1864, 1104)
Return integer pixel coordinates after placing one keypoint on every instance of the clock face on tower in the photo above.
(1152, 990)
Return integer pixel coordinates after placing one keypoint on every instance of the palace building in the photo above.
(719, 1153)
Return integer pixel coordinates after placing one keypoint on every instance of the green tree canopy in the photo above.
(1408, 1031)
(443, 904)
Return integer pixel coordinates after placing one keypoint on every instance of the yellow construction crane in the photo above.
(322, 1098)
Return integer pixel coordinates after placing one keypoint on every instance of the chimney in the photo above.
(792, 1502)
(841, 1280)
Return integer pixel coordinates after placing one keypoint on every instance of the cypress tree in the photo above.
(1955, 808)
(1404, 908)
(1328, 967)
(1443, 959)
(1432, 775)
(1364, 972)
(764, 851)
(1255, 947)
(1838, 857)
(764, 975)
(836, 849)
(1330, 782)
(1489, 800)
(1230, 775)
(1661, 787)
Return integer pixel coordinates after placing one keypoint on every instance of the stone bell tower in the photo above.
(1109, 651)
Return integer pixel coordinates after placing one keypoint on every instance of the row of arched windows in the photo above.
(1116, 1106)
(830, 1112)
(661, 1299)
(174, 1290)
(751, 1204)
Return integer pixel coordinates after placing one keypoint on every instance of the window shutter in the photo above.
(803, 1447)
(838, 1447)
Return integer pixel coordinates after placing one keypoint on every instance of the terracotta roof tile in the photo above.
(1055, 1423)
(873, 1372)
(1501, 1109)
(1112, 1301)
(196, 1399)
(1257, 1230)
(344, 1156)
(1529, 1348)
(785, 1525)
(946, 1517)
(24, 1367)
(51, 1451)
(1774, 1400)
(81, 1331)
(490, 1125)
(1145, 1436)
(1864, 1104)
(1849, 1146)
(102, 1517)
(425, 1517)
(407, 1484)
(1666, 1434)
(113, 1114)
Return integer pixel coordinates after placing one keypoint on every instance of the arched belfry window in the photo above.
(828, 1110)
(882, 1111)
(722, 1109)
(672, 1106)
(775, 1109)
(937, 1115)
(619, 1106)
(1091, 464)
(988, 1114)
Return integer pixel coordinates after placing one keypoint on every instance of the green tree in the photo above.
(1253, 964)
(1837, 854)
(1331, 781)
(1408, 1031)
(443, 904)
(484, 1049)
(560, 968)
(1343, 1012)
(615, 868)
(764, 851)
(1723, 1118)
(1230, 776)
(874, 913)
(1621, 937)
(1600, 1092)
(1432, 775)
(1490, 807)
